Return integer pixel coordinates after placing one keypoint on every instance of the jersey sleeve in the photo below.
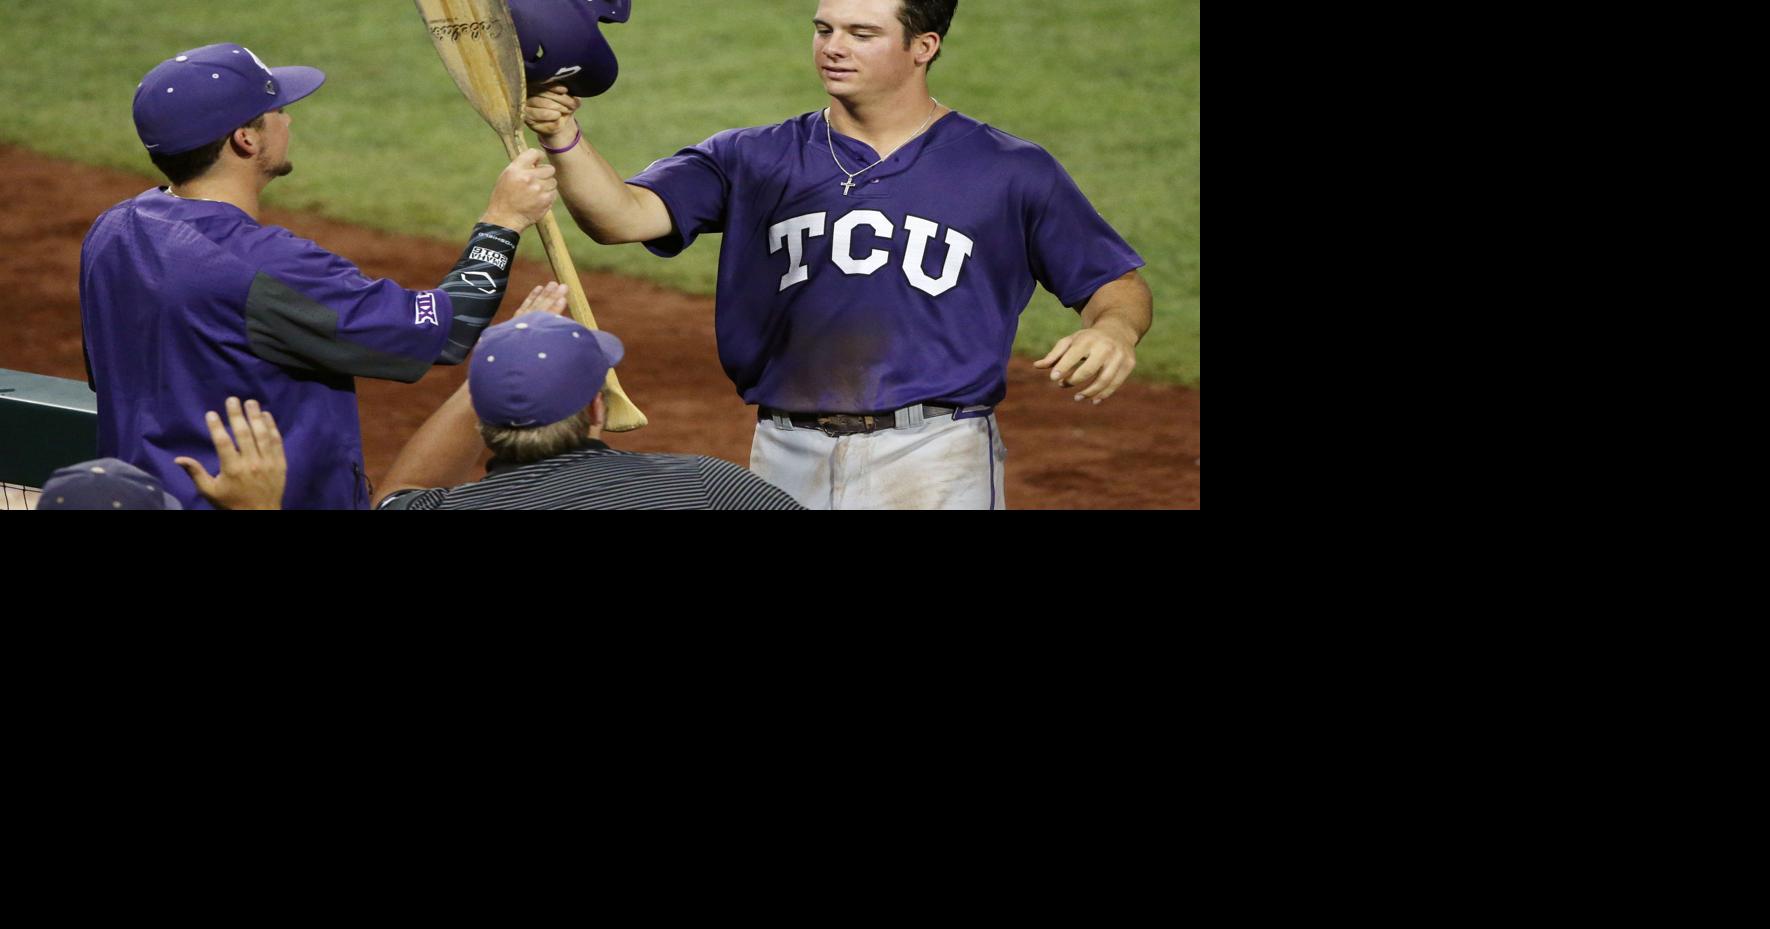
(730, 487)
(309, 309)
(476, 286)
(1072, 248)
(694, 184)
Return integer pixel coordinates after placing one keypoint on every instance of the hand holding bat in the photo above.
(524, 193)
(476, 40)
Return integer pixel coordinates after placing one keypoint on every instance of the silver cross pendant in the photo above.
(847, 186)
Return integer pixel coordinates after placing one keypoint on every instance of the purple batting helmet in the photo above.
(562, 42)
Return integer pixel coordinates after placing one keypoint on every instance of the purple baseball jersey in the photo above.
(906, 289)
(188, 302)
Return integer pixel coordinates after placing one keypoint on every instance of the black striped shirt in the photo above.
(597, 477)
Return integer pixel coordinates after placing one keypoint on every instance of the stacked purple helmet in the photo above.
(562, 42)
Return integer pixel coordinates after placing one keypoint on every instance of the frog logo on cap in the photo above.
(270, 86)
(257, 61)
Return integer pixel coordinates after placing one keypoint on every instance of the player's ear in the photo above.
(598, 413)
(244, 141)
(925, 47)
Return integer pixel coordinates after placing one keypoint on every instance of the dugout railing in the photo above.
(45, 423)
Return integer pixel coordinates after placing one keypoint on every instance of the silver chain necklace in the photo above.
(189, 199)
(849, 184)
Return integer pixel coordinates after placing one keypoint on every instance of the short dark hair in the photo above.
(919, 16)
(188, 166)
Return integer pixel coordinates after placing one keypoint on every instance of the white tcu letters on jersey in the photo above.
(794, 232)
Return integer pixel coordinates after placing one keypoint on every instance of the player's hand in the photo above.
(547, 298)
(550, 115)
(252, 475)
(1095, 360)
(524, 193)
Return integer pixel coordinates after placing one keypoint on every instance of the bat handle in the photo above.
(623, 415)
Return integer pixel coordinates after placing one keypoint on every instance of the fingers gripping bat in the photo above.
(476, 40)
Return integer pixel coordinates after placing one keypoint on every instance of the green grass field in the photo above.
(1112, 91)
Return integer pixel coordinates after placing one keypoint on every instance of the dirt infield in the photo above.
(1138, 450)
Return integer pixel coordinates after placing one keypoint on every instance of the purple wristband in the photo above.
(574, 144)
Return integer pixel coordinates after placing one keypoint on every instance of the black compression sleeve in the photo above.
(476, 287)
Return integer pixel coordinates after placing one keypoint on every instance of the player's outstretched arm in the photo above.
(607, 208)
(1100, 357)
(444, 450)
(252, 474)
(524, 193)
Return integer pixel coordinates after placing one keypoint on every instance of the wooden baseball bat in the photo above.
(476, 40)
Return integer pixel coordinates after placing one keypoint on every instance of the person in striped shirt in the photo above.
(534, 397)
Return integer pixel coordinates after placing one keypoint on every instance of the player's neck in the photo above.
(224, 187)
(885, 122)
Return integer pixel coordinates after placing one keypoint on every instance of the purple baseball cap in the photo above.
(190, 100)
(562, 42)
(105, 484)
(538, 369)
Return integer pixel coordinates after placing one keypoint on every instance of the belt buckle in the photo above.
(837, 425)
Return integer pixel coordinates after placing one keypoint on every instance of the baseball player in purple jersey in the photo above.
(185, 296)
(876, 259)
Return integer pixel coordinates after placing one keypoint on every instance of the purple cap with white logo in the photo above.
(538, 369)
(105, 484)
(189, 101)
